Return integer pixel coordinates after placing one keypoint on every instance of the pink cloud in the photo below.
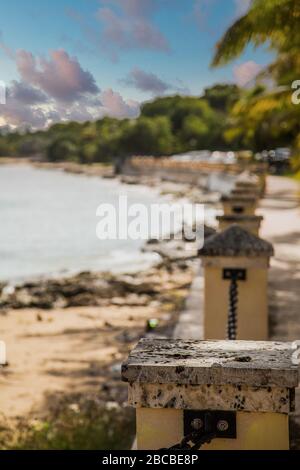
(60, 76)
(128, 25)
(114, 105)
(140, 8)
(58, 89)
(246, 72)
(21, 115)
(150, 82)
(26, 94)
(146, 81)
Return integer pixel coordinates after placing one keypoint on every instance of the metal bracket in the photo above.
(220, 423)
(238, 209)
(230, 274)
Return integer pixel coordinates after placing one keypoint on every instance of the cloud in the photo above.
(5, 48)
(148, 82)
(58, 89)
(75, 112)
(26, 94)
(137, 8)
(114, 105)
(246, 72)
(25, 106)
(202, 10)
(128, 24)
(20, 115)
(108, 103)
(242, 6)
(61, 76)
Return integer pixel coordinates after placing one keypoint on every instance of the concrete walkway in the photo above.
(281, 227)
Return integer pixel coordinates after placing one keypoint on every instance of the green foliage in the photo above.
(222, 97)
(62, 149)
(166, 126)
(275, 22)
(148, 136)
(74, 426)
(160, 106)
(5, 149)
(196, 123)
(224, 118)
(264, 118)
(195, 131)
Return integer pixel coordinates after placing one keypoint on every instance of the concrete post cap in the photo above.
(236, 241)
(247, 179)
(244, 198)
(240, 218)
(219, 362)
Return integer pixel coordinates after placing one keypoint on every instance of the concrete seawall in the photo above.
(207, 175)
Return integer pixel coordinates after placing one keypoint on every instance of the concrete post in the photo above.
(235, 264)
(251, 223)
(250, 192)
(247, 181)
(238, 394)
(261, 172)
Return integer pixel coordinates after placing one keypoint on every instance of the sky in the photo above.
(84, 59)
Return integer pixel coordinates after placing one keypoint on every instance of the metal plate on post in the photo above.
(235, 274)
(222, 423)
(238, 209)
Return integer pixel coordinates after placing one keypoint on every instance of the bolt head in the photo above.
(197, 424)
(222, 425)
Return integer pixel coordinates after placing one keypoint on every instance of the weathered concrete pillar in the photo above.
(261, 172)
(245, 192)
(235, 264)
(235, 394)
(251, 223)
(242, 205)
(247, 181)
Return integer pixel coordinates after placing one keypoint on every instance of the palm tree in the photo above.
(275, 23)
(272, 22)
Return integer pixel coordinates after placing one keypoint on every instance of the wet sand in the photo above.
(76, 349)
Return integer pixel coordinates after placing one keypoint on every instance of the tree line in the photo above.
(225, 117)
(166, 126)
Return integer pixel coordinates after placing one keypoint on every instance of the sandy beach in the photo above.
(91, 321)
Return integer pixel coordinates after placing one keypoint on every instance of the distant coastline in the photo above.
(94, 169)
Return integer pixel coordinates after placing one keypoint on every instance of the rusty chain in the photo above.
(192, 441)
(232, 310)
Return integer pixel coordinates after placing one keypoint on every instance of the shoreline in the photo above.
(175, 191)
(95, 169)
(89, 322)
